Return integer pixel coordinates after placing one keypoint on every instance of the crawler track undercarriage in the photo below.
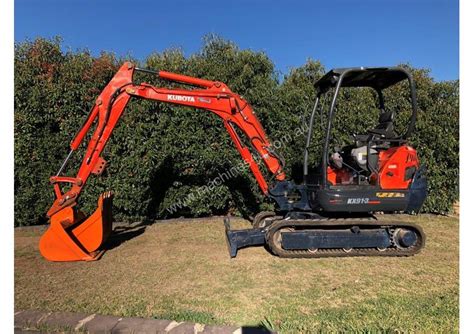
(329, 237)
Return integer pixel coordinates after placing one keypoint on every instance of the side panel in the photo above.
(418, 191)
(361, 200)
(370, 198)
(397, 167)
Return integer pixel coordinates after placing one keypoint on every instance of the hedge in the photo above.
(162, 157)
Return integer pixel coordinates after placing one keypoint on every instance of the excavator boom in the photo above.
(213, 96)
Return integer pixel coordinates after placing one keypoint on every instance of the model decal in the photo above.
(385, 195)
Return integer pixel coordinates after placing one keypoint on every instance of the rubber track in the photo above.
(343, 223)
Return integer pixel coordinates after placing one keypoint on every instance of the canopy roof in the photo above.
(376, 77)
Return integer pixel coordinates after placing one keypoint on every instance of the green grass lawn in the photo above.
(180, 270)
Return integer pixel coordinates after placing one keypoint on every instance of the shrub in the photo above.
(159, 154)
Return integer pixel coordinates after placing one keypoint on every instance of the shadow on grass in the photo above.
(255, 330)
(122, 234)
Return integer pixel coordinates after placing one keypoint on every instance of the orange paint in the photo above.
(393, 164)
(70, 237)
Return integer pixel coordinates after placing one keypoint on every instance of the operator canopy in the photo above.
(377, 78)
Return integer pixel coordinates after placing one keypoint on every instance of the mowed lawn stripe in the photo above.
(180, 270)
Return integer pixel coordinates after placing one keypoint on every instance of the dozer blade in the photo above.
(72, 237)
(237, 239)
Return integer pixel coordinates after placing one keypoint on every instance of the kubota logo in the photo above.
(180, 98)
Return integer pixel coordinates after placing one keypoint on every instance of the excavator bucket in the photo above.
(73, 237)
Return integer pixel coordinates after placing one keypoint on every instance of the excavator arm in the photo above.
(212, 96)
(66, 221)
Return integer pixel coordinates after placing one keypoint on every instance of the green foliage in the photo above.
(159, 154)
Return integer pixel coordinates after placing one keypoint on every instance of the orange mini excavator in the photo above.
(329, 214)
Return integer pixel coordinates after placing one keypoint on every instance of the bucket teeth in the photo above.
(108, 194)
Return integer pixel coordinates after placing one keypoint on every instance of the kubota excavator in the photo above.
(330, 214)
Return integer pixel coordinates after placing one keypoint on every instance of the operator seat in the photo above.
(383, 130)
(385, 127)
